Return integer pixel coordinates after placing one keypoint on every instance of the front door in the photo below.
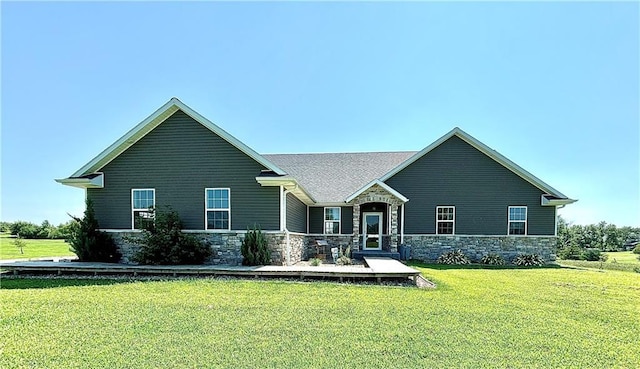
(372, 231)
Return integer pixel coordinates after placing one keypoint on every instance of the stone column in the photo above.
(394, 228)
(356, 227)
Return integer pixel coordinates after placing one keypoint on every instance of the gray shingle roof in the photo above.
(332, 177)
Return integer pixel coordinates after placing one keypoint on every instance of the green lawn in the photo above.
(623, 257)
(621, 260)
(555, 317)
(33, 248)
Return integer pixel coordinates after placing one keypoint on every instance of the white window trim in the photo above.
(526, 220)
(324, 219)
(446, 221)
(206, 209)
(133, 210)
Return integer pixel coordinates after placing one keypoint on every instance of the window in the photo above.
(142, 203)
(332, 220)
(445, 219)
(217, 208)
(517, 220)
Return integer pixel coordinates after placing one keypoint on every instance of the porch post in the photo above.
(356, 227)
(394, 228)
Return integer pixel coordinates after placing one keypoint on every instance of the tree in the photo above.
(90, 244)
(19, 243)
(255, 250)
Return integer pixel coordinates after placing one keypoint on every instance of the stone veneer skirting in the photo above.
(430, 247)
(226, 246)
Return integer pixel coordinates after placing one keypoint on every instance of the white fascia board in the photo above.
(496, 156)
(96, 182)
(151, 122)
(378, 182)
(555, 202)
(289, 183)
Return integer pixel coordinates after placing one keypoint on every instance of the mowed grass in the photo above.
(621, 260)
(556, 317)
(33, 249)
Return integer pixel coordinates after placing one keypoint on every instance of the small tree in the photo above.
(164, 243)
(19, 243)
(255, 250)
(90, 244)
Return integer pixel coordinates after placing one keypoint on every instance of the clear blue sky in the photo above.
(552, 86)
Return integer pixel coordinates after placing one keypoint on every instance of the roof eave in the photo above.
(385, 186)
(288, 183)
(96, 182)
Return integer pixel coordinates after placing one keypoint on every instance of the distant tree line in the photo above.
(34, 231)
(586, 242)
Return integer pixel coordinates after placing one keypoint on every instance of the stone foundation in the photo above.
(430, 247)
(226, 246)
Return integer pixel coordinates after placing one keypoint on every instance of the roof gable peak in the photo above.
(154, 120)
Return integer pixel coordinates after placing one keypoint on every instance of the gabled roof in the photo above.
(383, 185)
(331, 178)
(151, 122)
(485, 150)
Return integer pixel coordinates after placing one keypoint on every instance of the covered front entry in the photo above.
(372, 231)
(375, 217)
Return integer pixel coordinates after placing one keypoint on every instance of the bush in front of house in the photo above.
(528, 260)
(345, 257)
(164, 243)
(492, 259)
(255, 249)
(88, 243)
(456, 257)
(315, 262)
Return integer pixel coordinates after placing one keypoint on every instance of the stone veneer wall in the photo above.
(338, 241)
(225, 246)
(429, 247)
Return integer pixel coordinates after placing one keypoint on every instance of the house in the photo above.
(456, 193)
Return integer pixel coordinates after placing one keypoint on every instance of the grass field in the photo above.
(33, 248)
(621, 260)
(554, 317)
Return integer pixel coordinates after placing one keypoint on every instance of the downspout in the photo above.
(284, 224)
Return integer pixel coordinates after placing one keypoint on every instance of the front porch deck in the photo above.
(375, 268)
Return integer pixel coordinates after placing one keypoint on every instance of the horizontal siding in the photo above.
(180, 158)
(457, 174)
(296, 214)
(316, 220)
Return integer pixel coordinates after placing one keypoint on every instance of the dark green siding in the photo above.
(316, 220)
(179, 159)
(457, 174)
(296, 215)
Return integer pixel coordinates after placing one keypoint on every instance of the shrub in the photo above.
(164, 243)
(19, 243)
(345, 257)
(528, 260)
(592, 255)
(315, 262)
(453, 258)
(90, 244)
(636, 250)
(255, 250)
(492, 259)
(570, 252)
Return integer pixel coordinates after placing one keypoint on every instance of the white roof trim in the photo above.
(544, 201)
(501, 159)
(385, 186)
(289, 183)
(155, 119)
(95, 182)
